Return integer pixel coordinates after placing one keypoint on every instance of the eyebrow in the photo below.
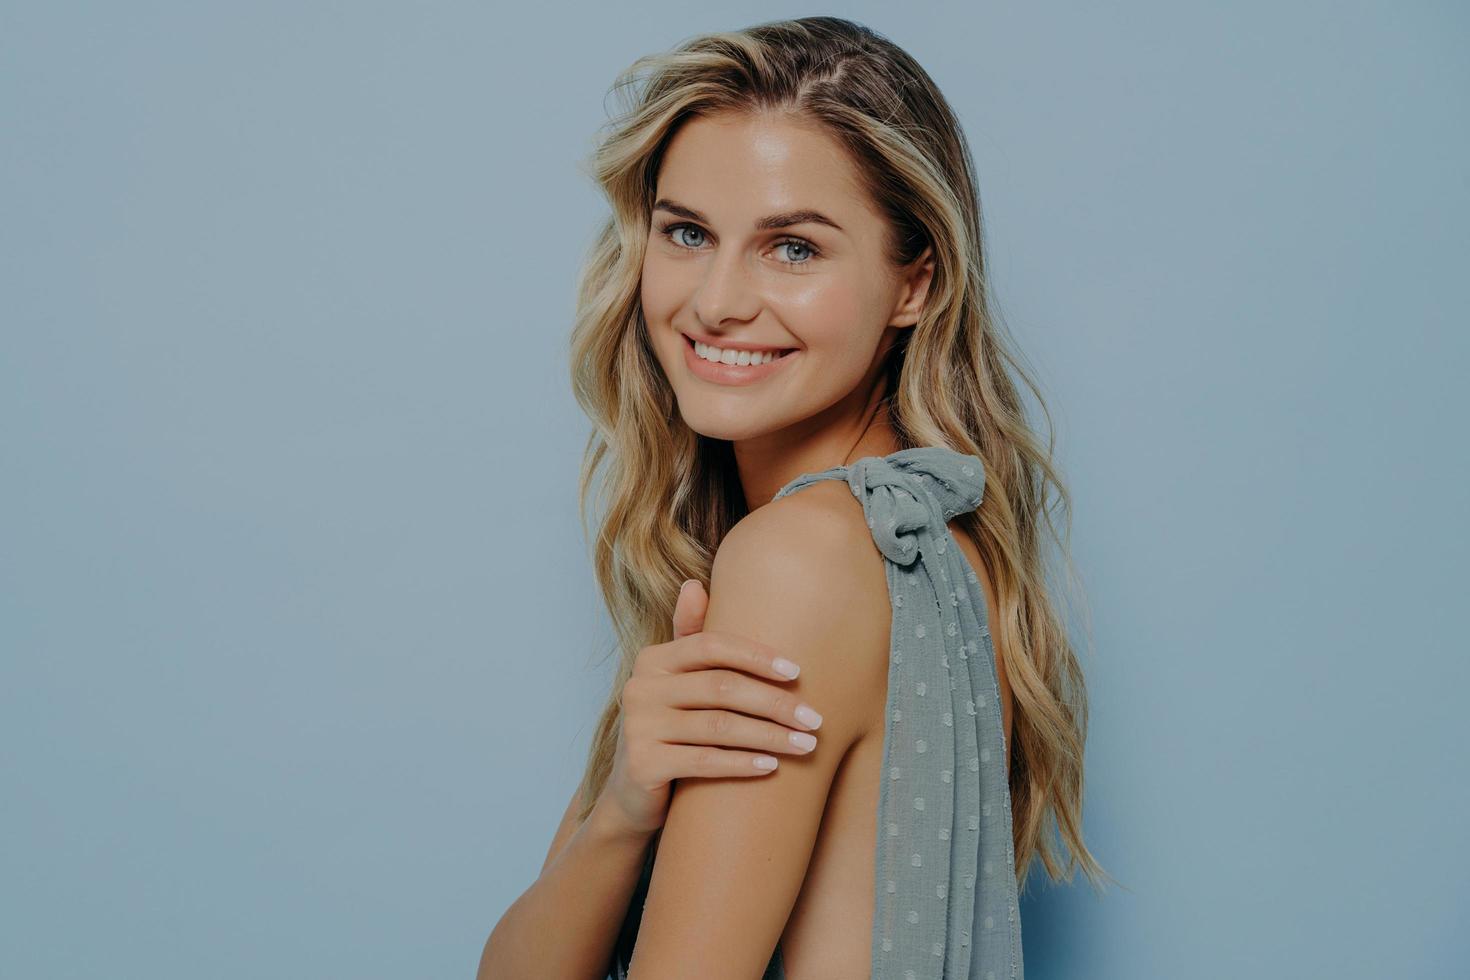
(783, 220)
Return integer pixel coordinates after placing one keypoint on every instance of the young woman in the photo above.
(791, 295)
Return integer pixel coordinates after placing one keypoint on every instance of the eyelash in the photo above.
(668, 232)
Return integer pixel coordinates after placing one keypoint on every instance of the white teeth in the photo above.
(723, 356)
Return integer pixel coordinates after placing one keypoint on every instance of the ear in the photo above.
(913, 289)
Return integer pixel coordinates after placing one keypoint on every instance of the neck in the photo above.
(857, 426)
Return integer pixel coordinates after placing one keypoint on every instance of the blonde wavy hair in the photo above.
(669, 495)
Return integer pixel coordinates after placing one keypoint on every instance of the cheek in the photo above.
(661, 299)
(663, 290)
(651, 286)
(829, 314)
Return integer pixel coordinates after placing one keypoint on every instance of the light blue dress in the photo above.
(946, 901)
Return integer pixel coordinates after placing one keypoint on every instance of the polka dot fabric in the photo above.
(945, 903)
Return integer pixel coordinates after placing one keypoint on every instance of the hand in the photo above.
(688, 698)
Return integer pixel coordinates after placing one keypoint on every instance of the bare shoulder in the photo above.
(808, 559)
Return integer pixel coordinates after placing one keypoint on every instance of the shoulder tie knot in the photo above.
(913, 489)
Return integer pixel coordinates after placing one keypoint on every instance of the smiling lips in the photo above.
(724, 365)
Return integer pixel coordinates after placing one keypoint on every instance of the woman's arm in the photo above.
(800, 573)
(705, 705)
(565, 925)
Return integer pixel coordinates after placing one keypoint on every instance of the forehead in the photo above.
(734, 167)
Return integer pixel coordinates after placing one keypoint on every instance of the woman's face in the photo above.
(814, 283)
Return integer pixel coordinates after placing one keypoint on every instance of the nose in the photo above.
(727, 291)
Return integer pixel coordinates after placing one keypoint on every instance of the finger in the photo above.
(718, 648)
(689, 609)
(730, 729)
(706, 762)
(736, 691)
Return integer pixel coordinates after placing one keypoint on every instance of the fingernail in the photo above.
(803, 741)
(808, 716)
(785, 667)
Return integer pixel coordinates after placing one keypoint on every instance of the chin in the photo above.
(712, 424)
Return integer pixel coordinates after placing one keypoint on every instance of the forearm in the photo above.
(565, 925)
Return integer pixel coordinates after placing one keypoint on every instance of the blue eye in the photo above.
(796, 243)
(671, 233)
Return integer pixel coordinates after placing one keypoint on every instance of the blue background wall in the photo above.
(290, 686)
